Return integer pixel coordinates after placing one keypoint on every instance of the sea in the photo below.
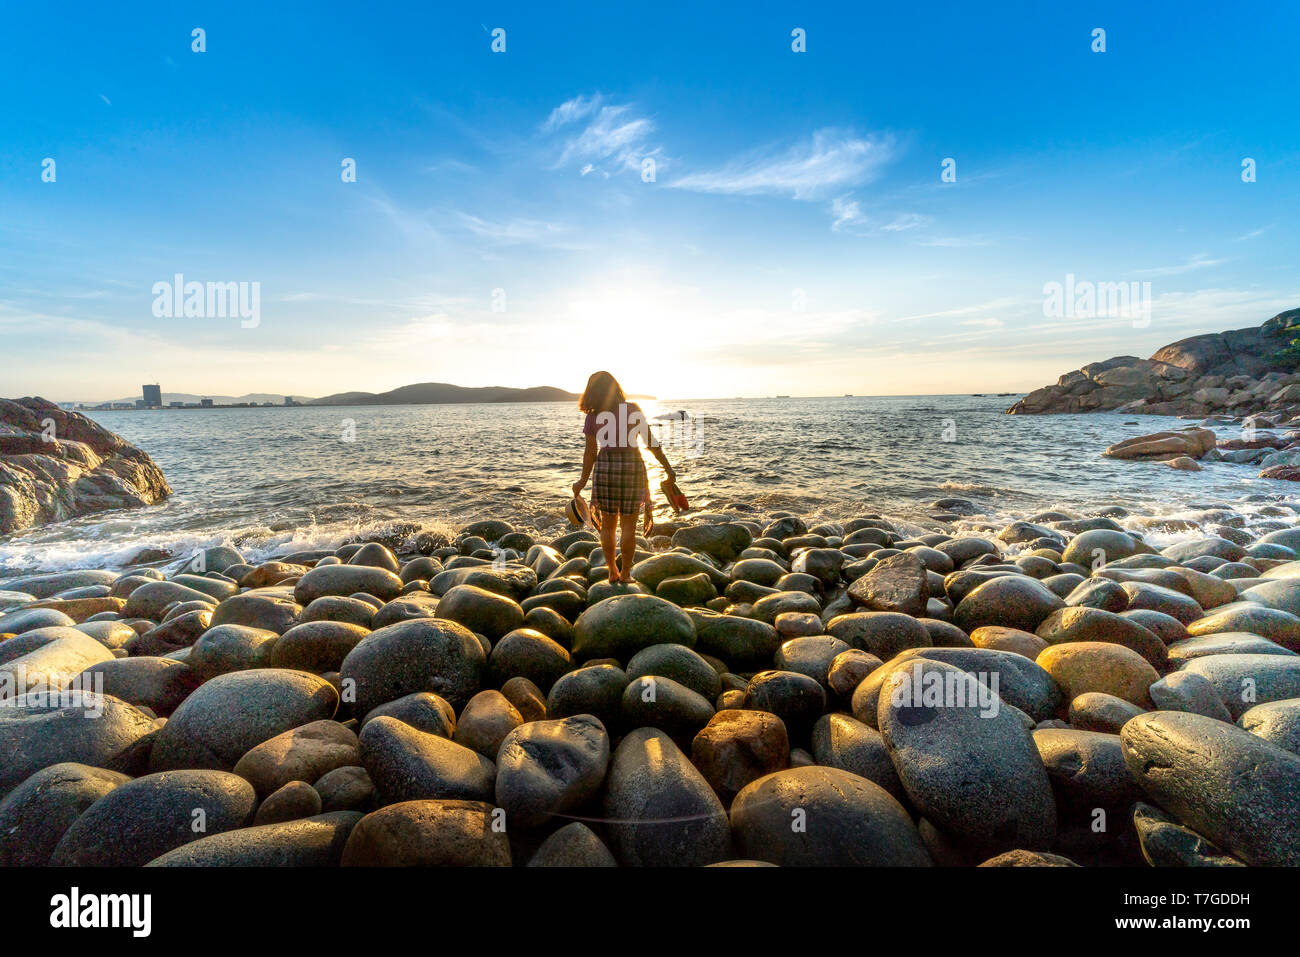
(274, 480)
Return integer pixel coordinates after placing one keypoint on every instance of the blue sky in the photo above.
(796, 237)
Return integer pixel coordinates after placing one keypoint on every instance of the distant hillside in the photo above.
(434, 393)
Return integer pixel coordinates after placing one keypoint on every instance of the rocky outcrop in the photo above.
(1236, 372)
(56, 465)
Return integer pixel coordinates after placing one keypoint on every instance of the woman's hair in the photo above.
(603, 393)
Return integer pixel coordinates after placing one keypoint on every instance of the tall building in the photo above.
(152, 396)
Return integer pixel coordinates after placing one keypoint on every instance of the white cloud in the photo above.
(831, 159)
(571, 111)
(848, 214)
(906, 221)
(600, 131)
(1199, 261)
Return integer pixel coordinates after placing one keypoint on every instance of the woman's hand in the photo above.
(579, 485)
(671, 473)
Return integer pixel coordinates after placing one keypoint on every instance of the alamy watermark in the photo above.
(1083, 299)
(919, 688)
(210, 300)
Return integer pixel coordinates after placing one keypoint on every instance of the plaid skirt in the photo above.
(620, 481)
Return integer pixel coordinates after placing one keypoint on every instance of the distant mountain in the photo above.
(435, 393)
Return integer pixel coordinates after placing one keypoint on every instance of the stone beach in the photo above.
(1044, 691)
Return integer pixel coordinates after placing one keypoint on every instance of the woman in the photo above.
(621, 486)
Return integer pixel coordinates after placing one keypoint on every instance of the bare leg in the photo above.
(628, 549)
(608, 520)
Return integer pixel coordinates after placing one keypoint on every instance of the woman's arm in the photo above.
(658, 453)
(588, 462)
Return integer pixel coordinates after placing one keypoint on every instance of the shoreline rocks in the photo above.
(769, 690)
(1233, 372)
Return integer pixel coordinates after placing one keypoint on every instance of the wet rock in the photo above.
(824, 816)
(660, 809)
(1098, 593)
(314, 841)
(738, 641)
(969, 767)
(1094, 624)
(1011, 601)
(883, 634)
(37, 732)
(679, 663)
(621, 626)
(1237, 790)
(723, 542)
(158, 684)
(225, 648)
(898, 584)
(840, 741)
(435, 833)
(530, 654)
(527, 698)
(406, 764)
(35, 814)
(547, 768)
(1098, 711)
(796, 699)
(231, 714)
(1188, 691)
(345, 580)
(656, 702)
(1275, 625)
(1223, 643)
(1087, 772)
(574, 845)
(316, 646)
(346, 789)
(1277, 722)
(1008, 639)
(145, 818)
(423, 710)
(486, 721)
(424, 654)
(301, 754)
(811, 656)
(1244, 681)
(1019, 858)
(294, 800)
(848, 670)
(1166, 843)
(275, 613)
(737, 747)
(480, 610)
(1082, 666)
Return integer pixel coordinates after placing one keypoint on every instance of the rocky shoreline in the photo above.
(1238, 373)
(56, 465)
(1053, 691)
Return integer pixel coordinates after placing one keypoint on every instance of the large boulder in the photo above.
(1225, 783)
(423, 654)
(149, 816)
(620, 626)
(819, 816)
(231, 714)
(56, 465)
(97, 730)
(968, 764)
(659, 810)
